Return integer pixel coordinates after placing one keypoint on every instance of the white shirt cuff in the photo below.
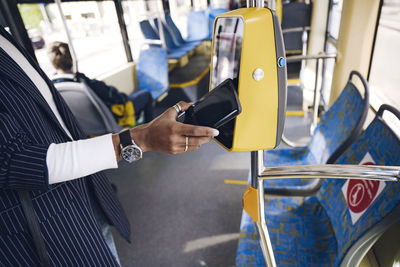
(71, 160)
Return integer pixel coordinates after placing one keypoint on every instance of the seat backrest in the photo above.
(92, 114)
(174, 28)
(355, 207)
(341, 124)
(152, 71)
(198, 28)
(148, 30)
(295, 15)
(212, 14)
(170, 43)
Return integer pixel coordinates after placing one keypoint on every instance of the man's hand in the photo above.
(165, 134)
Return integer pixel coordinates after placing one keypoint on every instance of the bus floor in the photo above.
(181, 211)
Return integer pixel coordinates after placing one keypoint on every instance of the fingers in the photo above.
(191, 130)
(193, 144)
(165, 134)
(197, 141)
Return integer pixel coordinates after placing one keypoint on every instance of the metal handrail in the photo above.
(332, 40)
(309, 57)
(291, 143)
(296, 29)
(360, 172)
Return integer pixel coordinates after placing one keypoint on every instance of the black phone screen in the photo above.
(219, 106)
(216, 108)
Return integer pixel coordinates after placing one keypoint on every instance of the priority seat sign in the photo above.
(360, 194)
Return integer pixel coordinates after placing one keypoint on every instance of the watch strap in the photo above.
(125, 138)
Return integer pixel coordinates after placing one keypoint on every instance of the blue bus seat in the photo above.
(177, 32)
(173, 45)
(322, 230)
(152, 71)
(337, 129)
(148, 31)
(175, 54)
(212, 14)
(198, 28)
(92, 114)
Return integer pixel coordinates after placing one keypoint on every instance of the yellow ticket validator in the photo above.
(248, 47)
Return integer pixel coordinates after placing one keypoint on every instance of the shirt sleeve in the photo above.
(71, 160)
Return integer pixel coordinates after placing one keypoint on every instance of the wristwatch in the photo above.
(130, 152)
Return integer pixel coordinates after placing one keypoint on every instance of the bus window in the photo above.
(219, 3)
(200, 4)
(94, 29)
(384, 75)
(132, 13)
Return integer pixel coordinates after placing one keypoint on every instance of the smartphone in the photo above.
(214, 109)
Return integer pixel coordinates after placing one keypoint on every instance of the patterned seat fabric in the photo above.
(380, 146)
(152, 71)
(300, 232)
(319, 230)
(334, 128)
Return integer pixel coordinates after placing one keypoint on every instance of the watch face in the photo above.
(131, 153)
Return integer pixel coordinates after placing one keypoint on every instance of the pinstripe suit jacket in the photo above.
(27, 128)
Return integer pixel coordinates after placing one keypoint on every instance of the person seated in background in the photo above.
(125, 108)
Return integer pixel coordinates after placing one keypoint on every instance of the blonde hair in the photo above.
(60, 56)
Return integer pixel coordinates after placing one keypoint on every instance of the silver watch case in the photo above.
(131, 153)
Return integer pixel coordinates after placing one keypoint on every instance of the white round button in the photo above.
(258, 74)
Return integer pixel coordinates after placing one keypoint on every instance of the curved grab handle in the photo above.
(390, 108)
(364, 82)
